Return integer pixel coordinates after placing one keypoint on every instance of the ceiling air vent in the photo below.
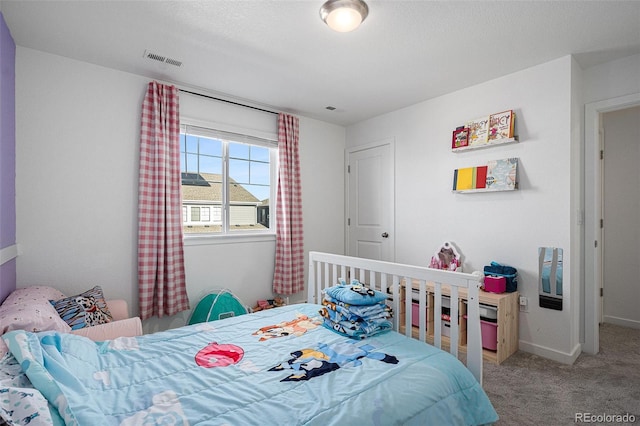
(162, 58)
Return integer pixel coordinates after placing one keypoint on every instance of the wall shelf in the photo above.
(487, 144)
(496, 175)
(469, 191)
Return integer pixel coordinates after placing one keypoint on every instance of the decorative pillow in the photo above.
(84, 309)
(29, 309)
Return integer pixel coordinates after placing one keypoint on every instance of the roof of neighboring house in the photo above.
(208, 187)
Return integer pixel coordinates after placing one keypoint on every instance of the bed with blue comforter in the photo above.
(280, 366)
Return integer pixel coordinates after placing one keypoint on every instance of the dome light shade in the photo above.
(344, 15)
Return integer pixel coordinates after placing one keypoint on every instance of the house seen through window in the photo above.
(227, 180)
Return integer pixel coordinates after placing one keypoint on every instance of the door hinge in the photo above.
(596, 243)
(601, 292)
(602, 154)
(348, 221)
(601, 223)
(348, 168)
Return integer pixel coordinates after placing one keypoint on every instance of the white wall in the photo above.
(77, 133)
(612, 79)
(509, 226)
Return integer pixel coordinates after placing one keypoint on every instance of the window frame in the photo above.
(227, 235)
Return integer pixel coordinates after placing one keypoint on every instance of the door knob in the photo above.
(385, 235)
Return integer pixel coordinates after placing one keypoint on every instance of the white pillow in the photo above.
(29, 309)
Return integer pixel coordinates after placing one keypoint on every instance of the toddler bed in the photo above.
(279, 366)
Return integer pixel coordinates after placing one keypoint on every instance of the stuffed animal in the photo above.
(446, 257)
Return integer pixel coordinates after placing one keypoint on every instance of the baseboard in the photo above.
(624, 322)
(8, 253)
(552, 354)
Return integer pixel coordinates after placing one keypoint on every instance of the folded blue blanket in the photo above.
(360, 330)
(343, 321)
(355, 293)
(357, 313)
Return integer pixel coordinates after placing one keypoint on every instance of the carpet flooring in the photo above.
(530, 390)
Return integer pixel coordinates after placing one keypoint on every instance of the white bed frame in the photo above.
(325, 269)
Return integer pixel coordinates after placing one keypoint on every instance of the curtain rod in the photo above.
(225, 100)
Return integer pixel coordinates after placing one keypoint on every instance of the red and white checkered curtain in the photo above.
(161, 275)
(288, 277)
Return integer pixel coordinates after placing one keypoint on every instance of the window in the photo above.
(227, 181)
(195, 214)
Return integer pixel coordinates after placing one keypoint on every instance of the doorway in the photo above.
(370, 201)
(593, 237)
(621, 217)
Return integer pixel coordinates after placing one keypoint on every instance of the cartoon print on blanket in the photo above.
(123, 344)
(313, 362)
(166, 410)
(219, 355)
(296, 327)
(355, 321)
(20, 403)
(21, 410)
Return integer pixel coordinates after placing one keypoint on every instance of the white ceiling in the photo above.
(280, 55)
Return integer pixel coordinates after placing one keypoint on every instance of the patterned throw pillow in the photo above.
(84, 309)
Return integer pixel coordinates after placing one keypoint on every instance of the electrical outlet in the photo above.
(524, 304)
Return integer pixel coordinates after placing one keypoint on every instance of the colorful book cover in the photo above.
(501, 125)
(460, 137)
(465, 179)
(497, 175)
(502, 174)
(478, 131)
(481, 177)
(470, 178)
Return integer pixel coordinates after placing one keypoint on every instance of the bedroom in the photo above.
(67, 102)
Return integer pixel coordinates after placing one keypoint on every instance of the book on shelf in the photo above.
(470, 178)
(478, 131)
(501, 125)
(460, 137)
(496, 175)
(502, 175)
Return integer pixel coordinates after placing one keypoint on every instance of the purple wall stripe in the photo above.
(7, 156)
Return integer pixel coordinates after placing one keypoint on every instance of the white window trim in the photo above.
(240, 237)
(233, 237)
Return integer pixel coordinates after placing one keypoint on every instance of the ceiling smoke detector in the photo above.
(161, 58)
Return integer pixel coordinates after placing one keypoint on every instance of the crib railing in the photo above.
(398, 280)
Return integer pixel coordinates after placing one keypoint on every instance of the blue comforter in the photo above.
(227, 373)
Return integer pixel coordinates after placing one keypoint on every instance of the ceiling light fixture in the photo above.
(344, 15)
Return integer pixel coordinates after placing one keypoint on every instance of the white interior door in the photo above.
(370, 201)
